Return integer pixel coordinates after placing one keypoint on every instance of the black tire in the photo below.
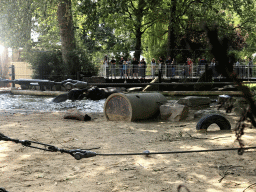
(207, 120)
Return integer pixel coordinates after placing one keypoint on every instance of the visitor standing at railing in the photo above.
(198, 67)
(135, 64)
(105, 65)
(237, 68)
(173, 67)
(189, 63)
(168, 63)
(124, 69)
(250, 65)
(142, 68)
(113, 67)
(161, 66)
(202, 64)
(153, 67)
(121, 67)
(214, 72)
(129, 68)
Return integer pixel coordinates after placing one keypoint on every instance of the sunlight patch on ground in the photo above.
(3, 148)
(25, 156)
(151, 131)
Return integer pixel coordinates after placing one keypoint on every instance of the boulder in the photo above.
(194, 101)
(173, 111)
(76, 115)
(134, 89)
(201, 113)
(228, 88)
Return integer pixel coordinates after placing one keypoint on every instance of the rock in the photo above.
(228, 88)
(134, 89)
(173, 111)
(76, 115)
(223, 98)
(201, 113)
(194, 101)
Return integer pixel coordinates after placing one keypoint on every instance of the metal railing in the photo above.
(171, 71)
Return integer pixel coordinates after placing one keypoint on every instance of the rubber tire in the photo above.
(207, 120)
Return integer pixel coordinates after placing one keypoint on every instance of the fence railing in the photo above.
(170, 71)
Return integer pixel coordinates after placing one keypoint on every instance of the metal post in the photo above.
(13, 75)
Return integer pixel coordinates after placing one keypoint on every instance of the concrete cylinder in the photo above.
(132, 107)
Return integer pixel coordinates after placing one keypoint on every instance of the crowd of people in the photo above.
(126, 68)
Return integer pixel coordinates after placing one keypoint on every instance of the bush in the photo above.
(49, 65)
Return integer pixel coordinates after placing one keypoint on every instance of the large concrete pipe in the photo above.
(131, 107)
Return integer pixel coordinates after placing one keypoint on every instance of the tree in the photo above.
(65, 21)
(182, 26)
(16, 22)
(129, 18)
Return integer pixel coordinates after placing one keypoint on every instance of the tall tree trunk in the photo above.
(138, 33)
(138, 44)
(67, 35)
(171, 35)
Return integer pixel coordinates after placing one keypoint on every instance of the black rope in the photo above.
(80, 153)
(240, 152)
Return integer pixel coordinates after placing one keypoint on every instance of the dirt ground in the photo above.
(27, 169)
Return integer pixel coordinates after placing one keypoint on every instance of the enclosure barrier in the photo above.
(180, 70)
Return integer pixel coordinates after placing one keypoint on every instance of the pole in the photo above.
(13, 76)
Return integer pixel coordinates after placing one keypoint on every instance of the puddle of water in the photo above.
(37, 103)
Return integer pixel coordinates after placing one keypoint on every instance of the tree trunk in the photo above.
(65, 21)
(171, 35)
(138, 44)
(138, 33)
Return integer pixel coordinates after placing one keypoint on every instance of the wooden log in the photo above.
(201, 93)
(132, 107)
(37, 93)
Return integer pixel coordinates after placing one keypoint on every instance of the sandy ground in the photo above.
(26, 169)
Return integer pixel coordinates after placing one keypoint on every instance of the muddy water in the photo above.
(37, 103)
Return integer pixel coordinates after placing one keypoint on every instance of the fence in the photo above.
(180, 70)
(22, 70)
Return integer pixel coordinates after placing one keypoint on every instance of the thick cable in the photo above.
(174, 152)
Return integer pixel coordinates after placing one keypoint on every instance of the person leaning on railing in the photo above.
(113, 67)
(135, 65)
(129, 68)
(121, 67)
(250, 65)
(153, 67)
(142, 68)
(160, 66)
(125, 69)
(168, 66)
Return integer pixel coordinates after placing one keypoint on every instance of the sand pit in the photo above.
(26, 169)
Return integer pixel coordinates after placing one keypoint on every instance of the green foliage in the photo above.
(80, 62)
(46, 65)
(49, 65)
(115, 27)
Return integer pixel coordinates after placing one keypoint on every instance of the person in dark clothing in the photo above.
(250, 65)
(201, 64)
(135, 65)
(121, 67)
(173, 67)
(113, 67)
(168, 63)
(161, 66)
(142, 68)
